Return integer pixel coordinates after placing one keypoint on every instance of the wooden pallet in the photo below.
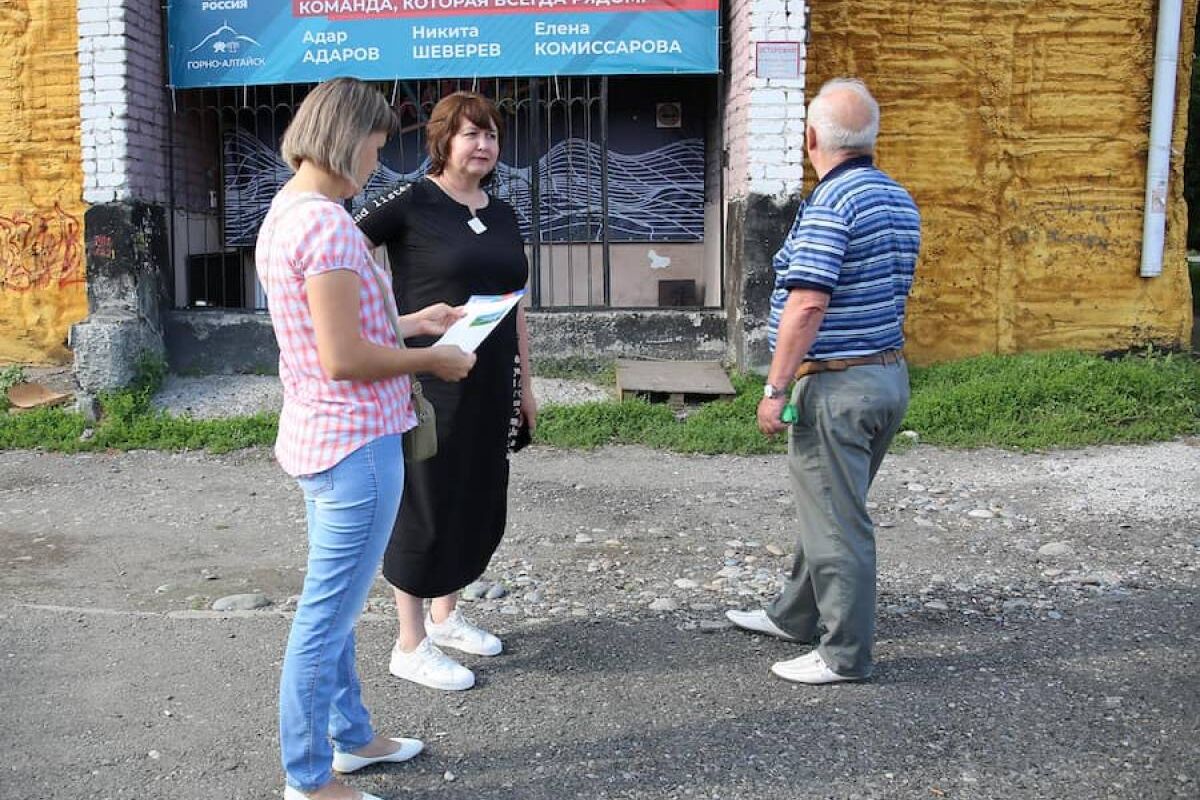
(674, 381)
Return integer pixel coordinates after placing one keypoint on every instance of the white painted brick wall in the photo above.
(122, 105)
(764, 131)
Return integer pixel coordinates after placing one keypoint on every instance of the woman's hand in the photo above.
(529, 407)
(448, 362)
(431, 321)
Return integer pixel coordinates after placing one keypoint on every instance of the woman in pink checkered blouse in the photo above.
(346, 402)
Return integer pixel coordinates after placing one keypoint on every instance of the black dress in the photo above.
(455, 504)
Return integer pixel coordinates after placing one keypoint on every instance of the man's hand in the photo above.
(769, 411)
(798, 328)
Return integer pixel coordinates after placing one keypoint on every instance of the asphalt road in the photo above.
(1006, 668)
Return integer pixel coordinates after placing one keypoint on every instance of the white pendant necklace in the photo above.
(474, 223)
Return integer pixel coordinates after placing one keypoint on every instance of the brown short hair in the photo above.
(331, 123)
(447, 117)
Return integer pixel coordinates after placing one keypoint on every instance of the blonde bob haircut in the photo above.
(331, 124)
(447, 118)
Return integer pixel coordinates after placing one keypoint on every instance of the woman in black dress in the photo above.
(447, 239)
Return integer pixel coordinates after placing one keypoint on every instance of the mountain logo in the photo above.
(225, 40)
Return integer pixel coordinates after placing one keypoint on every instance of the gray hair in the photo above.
(842, 127)
(331, 124)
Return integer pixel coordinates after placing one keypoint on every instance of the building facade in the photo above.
(1022, 130)
(1024, 150)
(42, 278)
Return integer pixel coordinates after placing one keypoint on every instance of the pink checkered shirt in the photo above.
(324, 420)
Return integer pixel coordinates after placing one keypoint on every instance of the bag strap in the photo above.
(379, 263)
(389, 302)
(389, 299)
(279, 212)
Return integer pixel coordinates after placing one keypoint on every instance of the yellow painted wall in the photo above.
(1021, 127)
(42, 277)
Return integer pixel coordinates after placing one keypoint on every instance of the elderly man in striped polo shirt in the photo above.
(841, 283)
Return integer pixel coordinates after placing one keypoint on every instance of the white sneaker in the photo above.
(455, 631)
(809, 668)
(759, 622)
(430, 667)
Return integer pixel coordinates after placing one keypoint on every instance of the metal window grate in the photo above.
(574, 195)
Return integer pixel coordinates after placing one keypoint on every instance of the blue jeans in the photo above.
(351, 508)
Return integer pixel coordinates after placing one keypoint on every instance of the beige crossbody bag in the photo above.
(420, 443)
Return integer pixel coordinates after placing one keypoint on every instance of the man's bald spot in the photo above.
(844, 117)
(846, 108)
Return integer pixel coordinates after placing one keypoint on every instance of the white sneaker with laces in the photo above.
(809, 668)
(430, 667)
(457, 632)
(759, 622)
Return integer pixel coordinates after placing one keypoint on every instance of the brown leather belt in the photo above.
(839, 364)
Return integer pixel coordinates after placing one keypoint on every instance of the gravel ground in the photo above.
(1038, 632)
(209, 396)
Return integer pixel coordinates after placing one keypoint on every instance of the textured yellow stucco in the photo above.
(1021, 128)
(42, 278)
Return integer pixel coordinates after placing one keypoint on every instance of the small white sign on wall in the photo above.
(777, 60)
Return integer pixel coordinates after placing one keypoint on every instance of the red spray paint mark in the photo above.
(40, 250)
(101, 246)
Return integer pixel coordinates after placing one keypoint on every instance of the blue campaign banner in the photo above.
(251, 42)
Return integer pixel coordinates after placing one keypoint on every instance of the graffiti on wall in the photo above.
(40, 250)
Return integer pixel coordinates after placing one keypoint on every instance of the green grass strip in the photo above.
(1056, 400)
(129, 422)
(1026, 402)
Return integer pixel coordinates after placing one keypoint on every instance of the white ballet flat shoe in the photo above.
(348, 762)
(295, 794)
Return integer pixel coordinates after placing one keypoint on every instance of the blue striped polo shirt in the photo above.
(856, 237)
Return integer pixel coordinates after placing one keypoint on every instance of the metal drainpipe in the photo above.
(1162, 114)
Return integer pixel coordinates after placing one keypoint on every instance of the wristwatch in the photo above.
(771, 392)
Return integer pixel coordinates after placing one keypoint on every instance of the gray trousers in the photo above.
(845, 422)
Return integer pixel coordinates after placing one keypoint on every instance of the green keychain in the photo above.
(788, 414)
